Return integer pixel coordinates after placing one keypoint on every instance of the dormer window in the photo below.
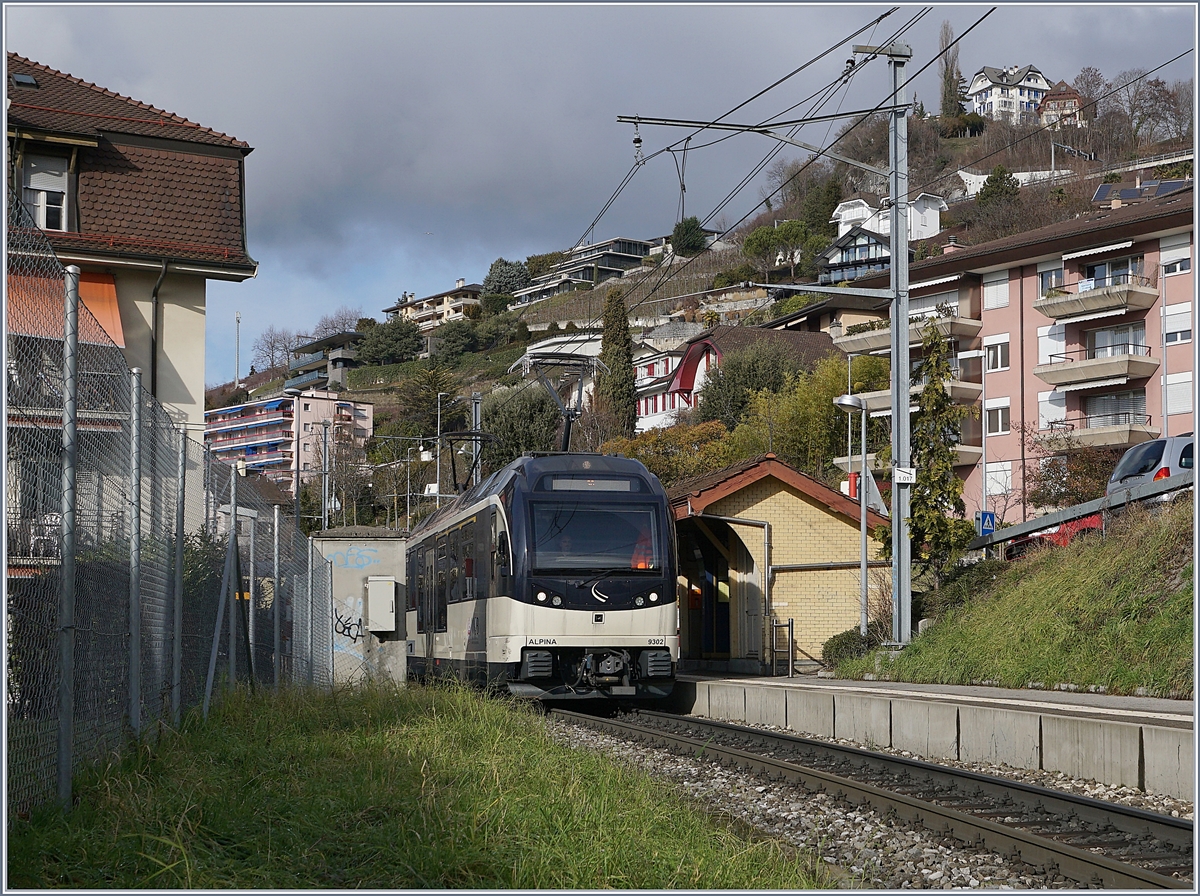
(45, 190)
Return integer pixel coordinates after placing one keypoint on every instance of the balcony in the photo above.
(343, 353)
(879, 404)
(1095, 298)
(965, 456)
(1086, 368)
(962, 328)
(1103, 430)
(298, 382)
(306, 362)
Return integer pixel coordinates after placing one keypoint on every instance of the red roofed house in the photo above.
(149, 205)
(760, 543)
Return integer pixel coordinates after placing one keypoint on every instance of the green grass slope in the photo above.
(1113, 612)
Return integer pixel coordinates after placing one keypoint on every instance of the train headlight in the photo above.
(638, 601)
(541, 596)
(653, 596)
(557, 601)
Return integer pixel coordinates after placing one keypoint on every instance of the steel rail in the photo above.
(1072, 862)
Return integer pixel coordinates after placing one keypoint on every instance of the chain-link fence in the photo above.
(126, 604)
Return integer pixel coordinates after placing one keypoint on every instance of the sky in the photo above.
(400, 147)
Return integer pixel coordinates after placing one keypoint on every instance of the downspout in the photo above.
(154, 329)
(769, 571)
(1021, 340)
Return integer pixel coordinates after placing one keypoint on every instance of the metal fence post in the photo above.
(250, 626)
(276, 598)
(135, 551)
(230, 556)
(177, 602)
(235, 581)
(66, 612)
(329, 619)
(309, 626)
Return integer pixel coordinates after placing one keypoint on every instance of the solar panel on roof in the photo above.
(22, 80)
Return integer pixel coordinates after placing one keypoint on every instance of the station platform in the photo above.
(1141, 742)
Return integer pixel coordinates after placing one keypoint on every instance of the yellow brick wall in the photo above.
(821, 603)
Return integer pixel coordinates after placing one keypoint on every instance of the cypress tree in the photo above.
(616, 389)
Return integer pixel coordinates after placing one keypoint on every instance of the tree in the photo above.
(364, 324)
(1090, 85)
(452, 340)
(939, 533)
(762, 247)
(522, 419)
(495, 303)
(793, 240)
(951, 77)
(343, 320)
(392, 342)
(616, 390)
(819, 206)
(677, 452)
(729, 387)
(541, 264)
(1000, 187)
(273, 347)
(506, 277)
(1064, 472)
(687, 239)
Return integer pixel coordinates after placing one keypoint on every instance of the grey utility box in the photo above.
(381, 604)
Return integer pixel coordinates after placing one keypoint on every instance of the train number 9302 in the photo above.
(656, 642)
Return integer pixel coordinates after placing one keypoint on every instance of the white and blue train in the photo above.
(553, 578)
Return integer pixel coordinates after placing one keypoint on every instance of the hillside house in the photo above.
(585, 266)
(1011, 94)
(431, 312)
(1062, 107)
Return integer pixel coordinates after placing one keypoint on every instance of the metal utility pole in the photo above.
(237, 348)
(438, 499)
(325, 476)
(898, 55)
(66, 609)
(476, 425)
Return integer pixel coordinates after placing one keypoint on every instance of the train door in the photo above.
(427, 612)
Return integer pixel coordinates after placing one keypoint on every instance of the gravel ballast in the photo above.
(861, 848)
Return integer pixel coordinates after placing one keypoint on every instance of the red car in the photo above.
(1060, 535)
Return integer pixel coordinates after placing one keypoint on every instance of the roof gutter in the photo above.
(154, 329)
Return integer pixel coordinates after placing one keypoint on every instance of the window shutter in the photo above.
(999, 477)
(1051, 341)
(995, 290)
(1052, 408)
(1179, 393)
(926, 306)
(46, 173)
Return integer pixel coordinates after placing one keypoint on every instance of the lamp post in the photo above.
(295, 395)
(850, 404)
(971, 356)
(325, 475)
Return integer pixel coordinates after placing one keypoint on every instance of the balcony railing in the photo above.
(1115, 350)
(1093, 296)
(305, 360)
(1116, 430)
(306, 378)
(1120, 279)
(1094, 421)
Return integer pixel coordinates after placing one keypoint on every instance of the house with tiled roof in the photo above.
(1061, 107)
(150, 206)
(761, 543)
(1010, 94)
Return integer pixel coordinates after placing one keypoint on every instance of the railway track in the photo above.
(1089, 841)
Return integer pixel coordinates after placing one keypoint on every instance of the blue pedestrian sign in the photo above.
(985, 522)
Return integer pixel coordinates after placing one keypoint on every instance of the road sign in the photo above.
(985, 522)
(904, 475)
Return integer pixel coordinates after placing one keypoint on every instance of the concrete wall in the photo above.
(356, 554)
(1147, 757)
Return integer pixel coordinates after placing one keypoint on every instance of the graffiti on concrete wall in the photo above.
(354, 557)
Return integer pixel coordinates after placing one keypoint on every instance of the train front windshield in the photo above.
(584, 536)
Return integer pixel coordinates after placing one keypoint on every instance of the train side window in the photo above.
(454, 566)
(440, 595)
(483, 551)
(503, 562)
(467, 560)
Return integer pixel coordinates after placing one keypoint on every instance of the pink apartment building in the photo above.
(1086, 326)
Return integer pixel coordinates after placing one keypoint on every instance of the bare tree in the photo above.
(950, 75)
(343, 320)
(272, 347)
(1174, 109)
(1090, 84)
(1134, 97)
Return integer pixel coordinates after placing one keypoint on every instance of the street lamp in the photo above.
(850, 404)
(971, 356)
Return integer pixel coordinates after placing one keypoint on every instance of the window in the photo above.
(1116, 409)
(996, 351)
(307, 406)
(1114, 272)
(307, 426)
(995, 290)
(996, 416)
(45, 190)
(1052, 408)
(1179, 393)
(1175, 253)
(1052, 279)
(999, 477)
(1177, 323)
(1129, 339)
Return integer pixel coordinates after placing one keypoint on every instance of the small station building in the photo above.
(760, 543)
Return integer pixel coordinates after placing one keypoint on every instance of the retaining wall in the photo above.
(1149, 757)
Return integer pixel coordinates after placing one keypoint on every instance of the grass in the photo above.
(1113, 612)
(384, 788)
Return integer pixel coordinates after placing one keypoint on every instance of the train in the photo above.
(554, 578)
